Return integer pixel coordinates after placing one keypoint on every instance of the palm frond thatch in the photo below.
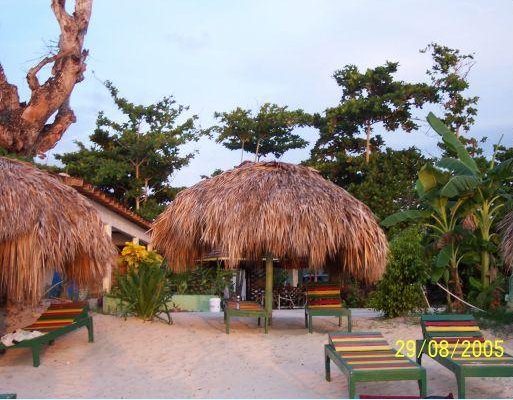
(46, 225)
(286, 210)
(506, 246)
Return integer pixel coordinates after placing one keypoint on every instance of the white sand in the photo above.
(195, 358)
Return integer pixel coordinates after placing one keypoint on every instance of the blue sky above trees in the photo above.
(217, 55)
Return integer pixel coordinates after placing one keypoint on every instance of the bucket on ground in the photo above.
(214, 304)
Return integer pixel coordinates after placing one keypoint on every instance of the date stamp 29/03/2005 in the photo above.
(442, 348)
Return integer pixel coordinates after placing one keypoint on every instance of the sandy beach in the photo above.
(195, 358)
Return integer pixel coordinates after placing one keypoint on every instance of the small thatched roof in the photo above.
(46, 225)
(283, 209)
(506, 247)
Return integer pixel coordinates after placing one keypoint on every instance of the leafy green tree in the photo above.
(132, 160)
(449, 77)
(270, 131)
(375, 97)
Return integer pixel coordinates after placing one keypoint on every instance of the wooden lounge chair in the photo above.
(56, 321)
(456, 328)
(245, 309)
(323, 299)
(367, 356)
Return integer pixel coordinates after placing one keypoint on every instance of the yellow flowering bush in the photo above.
(134, 255)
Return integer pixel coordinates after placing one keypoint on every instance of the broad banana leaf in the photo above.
(452, 142)
(455, 165)
(460, 184)
(429, 178)
(503, 171)
(444, 257)
(402, 216)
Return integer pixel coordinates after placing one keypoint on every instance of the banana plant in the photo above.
(481, 191)
(460, 203)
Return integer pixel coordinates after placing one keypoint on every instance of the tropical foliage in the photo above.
(460, 203)
(202, 280)
(400, 290)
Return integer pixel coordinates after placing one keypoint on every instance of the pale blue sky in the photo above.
(216, 55)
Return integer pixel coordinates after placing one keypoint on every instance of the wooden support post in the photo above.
(269, 286)
(107, 279)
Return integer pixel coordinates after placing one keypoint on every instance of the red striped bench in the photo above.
(323, 299)
(449, 339)
(367, 356)
(55, 321)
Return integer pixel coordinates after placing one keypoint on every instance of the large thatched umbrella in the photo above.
(46, 225)
(272, 209)
(506, 227)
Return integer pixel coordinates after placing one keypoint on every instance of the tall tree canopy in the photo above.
(27, 127)
(134, 159)
(270, 131)
(373, 97)
(448, 75)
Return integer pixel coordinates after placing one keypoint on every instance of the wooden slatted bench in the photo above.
(249, 309)
(456, 329)
(323, 299)
(57, 320)
(367, 356)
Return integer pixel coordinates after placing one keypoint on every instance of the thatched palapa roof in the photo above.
(286, 210)
(506, 247)
(46, 225)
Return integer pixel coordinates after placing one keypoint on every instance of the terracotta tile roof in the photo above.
(97, 195)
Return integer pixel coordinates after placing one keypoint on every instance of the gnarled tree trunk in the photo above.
(24, 126)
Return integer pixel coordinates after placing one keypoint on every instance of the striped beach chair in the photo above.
(367, 356)
(323, 299)
(57, 320)
(465, 351)
(249, 309)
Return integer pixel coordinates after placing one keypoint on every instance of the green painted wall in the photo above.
(179, 302)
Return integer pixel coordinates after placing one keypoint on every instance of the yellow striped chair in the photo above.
(57, 320)
(249, 309)
(367, 356)
(323, 299)
(456, 342)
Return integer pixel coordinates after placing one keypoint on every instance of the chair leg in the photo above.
(227, 324)
(258, 321)
(36, 350)
(310, 324)
(266, 324)
(460, 379)
(340, 320)
(423, 385)
(90, 329)
(352, 388)
(327, 366)
(349, 323)
(306, 320)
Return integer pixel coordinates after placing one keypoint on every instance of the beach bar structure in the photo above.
(272, 210)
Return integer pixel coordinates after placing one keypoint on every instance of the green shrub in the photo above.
(201, 280)
(143, 289)
(400, 290)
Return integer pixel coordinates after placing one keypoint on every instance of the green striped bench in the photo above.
(459, 357)
(323, 299)
(57, 320)
(367, 356)
(249, 309)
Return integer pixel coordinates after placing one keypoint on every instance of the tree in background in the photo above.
(24, 126)
(133, 160)
(268, 132)
(449, 76)
(373, 97)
